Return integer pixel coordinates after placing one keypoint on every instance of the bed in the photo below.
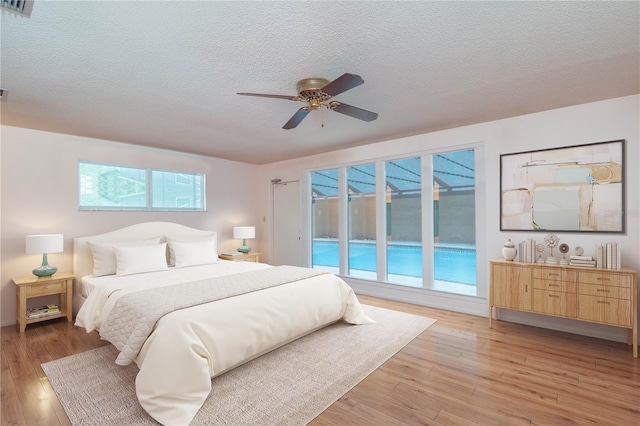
(186, 323)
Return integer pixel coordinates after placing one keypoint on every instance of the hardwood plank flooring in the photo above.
(458, 372)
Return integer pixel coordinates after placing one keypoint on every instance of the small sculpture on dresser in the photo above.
(540, 250)
(551, 241)
(509, 250)
(564, 249)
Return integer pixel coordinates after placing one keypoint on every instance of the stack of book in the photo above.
(582, 261)
(42, 311)
(608, 256)
(526, 251)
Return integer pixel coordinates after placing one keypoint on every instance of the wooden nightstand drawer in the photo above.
(248, 257)
(605, 310)
(45, 289)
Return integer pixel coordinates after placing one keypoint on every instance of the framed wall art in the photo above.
(577, 188)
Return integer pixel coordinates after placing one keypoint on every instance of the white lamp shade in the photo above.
(241, 232)
(41, 244)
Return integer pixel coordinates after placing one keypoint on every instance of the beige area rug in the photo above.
(289, 386)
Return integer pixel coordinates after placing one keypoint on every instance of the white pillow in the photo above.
(194, 253)
(104, 258)
(140, 259)
(208, 237)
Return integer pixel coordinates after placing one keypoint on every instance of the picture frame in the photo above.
(579, 188)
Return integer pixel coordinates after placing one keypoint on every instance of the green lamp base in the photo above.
(244, 248)
(44, 271)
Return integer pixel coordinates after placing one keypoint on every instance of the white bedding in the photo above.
(110, 288)
(190, 346)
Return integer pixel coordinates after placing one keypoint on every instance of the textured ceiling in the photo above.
(165, 74)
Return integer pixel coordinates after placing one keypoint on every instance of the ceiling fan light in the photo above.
(315, 103)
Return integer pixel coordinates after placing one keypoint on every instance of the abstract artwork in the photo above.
(572, 189)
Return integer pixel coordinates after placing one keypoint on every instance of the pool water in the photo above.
(451, 264)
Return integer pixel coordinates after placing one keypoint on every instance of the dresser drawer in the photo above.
(605, 310)
(46, 288)
(605, 291)
(555, 303)
(555, 274)
(605, 278)
(563, 286)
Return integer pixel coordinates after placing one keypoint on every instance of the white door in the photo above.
(286, 224)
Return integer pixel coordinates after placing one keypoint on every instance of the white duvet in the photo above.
(190, 346)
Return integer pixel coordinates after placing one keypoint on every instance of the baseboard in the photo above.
(8, 323)
(419, 296)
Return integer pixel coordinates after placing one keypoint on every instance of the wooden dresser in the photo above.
(603, 296)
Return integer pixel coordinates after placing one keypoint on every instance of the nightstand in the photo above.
(28, 287)
(249, 257)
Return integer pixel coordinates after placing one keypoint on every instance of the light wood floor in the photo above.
(458, 372)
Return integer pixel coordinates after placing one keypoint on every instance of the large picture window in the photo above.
(116, 187)
(408, 221)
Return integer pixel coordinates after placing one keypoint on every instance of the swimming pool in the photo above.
(451, 263)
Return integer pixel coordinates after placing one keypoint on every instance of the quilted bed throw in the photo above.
(134, 316)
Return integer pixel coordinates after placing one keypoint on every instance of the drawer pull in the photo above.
(603, 279)
(555, 274)
(553, 295)
(554, 285)
(604, 291)
(602, 301)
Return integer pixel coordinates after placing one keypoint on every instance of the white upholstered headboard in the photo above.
(83, 261)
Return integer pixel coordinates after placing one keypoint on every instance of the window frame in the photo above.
(148, 190)
(427, 218)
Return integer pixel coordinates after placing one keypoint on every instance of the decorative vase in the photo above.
(509, 250)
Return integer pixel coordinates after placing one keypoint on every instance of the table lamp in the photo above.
(44, 244)
(244, 232)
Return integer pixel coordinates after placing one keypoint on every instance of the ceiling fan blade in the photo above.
(342, 84)
(297, 118)
(360, 114)
(262, 95)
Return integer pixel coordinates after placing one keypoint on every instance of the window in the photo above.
(403, 207)
(172, 190)
(324, 202)
(115, 187)
(408, 221)
(361, 188)
(454, 250)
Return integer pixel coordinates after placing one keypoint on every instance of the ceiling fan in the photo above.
(316, 92)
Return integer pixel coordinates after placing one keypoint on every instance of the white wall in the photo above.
(40, 195)
(594, 122)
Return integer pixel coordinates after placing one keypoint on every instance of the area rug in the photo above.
(289, 386)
